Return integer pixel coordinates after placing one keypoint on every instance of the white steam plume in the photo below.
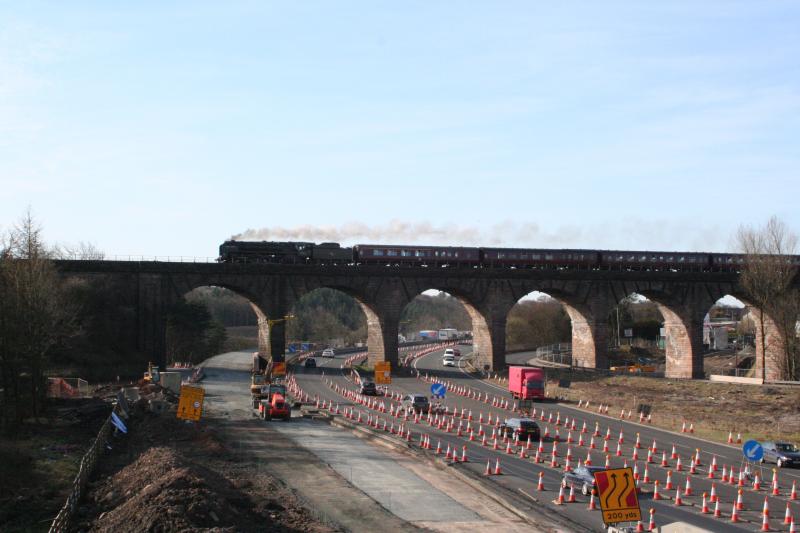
(625, 234)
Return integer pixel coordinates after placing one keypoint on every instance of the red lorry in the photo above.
(526, 382)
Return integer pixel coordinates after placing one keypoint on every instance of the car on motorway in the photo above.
(328, 352)
(417, 403)
(310, 363)
(450, 351)
(522, 427)
(448, 360)
(583, 477)
(781, 453)
(368, 388)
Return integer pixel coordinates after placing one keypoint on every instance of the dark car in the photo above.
(582, 477)
(310, 363)
(523, 427)
(368, 388)
(781, 453)
(417, 403)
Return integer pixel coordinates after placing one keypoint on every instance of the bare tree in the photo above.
(36, 314)
(768, 279)
(82, 250)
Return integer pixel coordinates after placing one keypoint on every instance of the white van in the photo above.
(448, 360)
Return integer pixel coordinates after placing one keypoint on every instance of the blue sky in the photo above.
(163, 128)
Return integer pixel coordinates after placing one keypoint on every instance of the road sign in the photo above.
(753, 451)
(279, 369)
(616, 491)
(383, 372)
(438, 390)
(190, 403)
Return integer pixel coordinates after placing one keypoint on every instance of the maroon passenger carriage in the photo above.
(539, 258)
(384, 254)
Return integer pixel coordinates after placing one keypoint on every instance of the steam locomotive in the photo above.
(331, 253)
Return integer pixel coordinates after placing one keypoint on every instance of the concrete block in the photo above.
(171, 381)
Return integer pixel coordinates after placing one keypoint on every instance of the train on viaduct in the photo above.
(588, 290)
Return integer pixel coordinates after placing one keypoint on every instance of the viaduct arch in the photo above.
(488, 295)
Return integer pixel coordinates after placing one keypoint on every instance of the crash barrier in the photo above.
(67, 388)
(61, 523)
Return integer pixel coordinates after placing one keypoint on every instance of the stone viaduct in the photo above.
(684, 298)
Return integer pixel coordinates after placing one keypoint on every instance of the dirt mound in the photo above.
(162, 492)
(166, 475)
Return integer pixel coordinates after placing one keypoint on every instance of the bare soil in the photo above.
(169, 475)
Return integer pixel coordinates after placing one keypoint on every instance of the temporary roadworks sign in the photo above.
(383, 373)
(190, 403)
(616, 490)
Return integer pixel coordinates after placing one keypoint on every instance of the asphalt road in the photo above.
(521, 475)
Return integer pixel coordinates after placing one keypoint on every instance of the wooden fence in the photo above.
(62, 521)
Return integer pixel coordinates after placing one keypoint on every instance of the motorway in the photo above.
(332, 383)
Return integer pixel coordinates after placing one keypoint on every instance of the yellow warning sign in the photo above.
(279, 369)
(383, 373)
(190, 403)
(616, 490)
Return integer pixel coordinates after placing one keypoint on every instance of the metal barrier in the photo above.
(67, 388)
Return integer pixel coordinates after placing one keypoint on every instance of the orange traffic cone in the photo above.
(739, 501)
(497, 471)
(668, 484)
(488, 471)
(793, 494)
(756, 482)
(775, 491)
(656, 495)
(592, 504)
(678, 501)
(464, 454)
(717, 512)
(713, 496)
(571, 494)
(705, 509)
(735, 513)
(765, 509)
(792, 529)
(787, 517)
(765, 523)
(652, 525)
(560, 499)
(540, 485)
(639, 527)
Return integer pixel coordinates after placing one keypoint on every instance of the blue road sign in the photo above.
(752, 451)
(438, 390)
